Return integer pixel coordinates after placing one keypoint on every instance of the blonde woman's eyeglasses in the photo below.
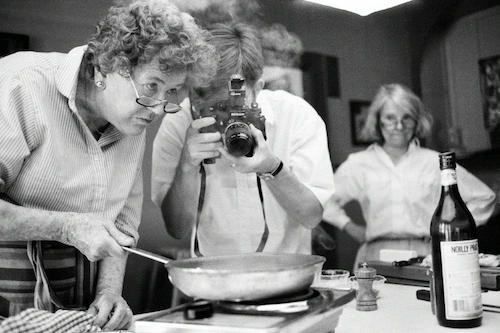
(391, 122)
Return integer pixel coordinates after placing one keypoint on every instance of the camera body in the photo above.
(233, 117)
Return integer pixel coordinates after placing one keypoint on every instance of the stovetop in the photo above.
(316, 313)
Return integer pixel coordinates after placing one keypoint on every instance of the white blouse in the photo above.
(399, 200)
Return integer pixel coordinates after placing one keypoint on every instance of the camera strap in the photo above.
(201, 200)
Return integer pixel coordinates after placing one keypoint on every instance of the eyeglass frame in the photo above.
(158, 102)
(408, 122)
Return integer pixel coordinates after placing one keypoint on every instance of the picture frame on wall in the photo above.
(358, 111)
(489, 72)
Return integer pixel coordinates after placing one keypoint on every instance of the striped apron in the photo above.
(43, 274)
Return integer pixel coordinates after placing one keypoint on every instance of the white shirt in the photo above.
(232, 219)
(399, 200)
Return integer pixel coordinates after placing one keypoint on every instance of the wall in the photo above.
(371, 51)
(54, 25)
(454, 96)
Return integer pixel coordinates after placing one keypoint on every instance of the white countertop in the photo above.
(399, 310)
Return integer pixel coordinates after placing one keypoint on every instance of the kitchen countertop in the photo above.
(400, 311)
(165, 322)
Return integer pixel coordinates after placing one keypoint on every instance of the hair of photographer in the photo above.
(239, 52)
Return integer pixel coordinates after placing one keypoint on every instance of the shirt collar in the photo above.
(67, 81)
(67, 74)
(265, 106)
(412, 146)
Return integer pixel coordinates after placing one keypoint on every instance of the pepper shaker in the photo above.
(366, 298)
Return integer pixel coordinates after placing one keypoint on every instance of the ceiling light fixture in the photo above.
(361, 7)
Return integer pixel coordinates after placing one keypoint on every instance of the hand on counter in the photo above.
(112, 311)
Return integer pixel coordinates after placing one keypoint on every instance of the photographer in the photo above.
(268, 201)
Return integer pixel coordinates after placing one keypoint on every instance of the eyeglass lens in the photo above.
(391, 122)
(151, 102)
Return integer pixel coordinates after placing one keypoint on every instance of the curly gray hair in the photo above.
(135, 32)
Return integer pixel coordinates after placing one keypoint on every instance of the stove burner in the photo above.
(287, 298)
(304, 300)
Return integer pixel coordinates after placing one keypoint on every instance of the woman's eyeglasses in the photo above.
(150, 102)
(391, 122)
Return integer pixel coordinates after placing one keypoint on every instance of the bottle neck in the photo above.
(448, 178)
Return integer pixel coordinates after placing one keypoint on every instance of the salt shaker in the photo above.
(366, 298)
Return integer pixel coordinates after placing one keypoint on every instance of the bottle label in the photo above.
(461, 280)
(448, 177)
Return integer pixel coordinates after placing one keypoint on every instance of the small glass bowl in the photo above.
(332, 279)
(378, 282)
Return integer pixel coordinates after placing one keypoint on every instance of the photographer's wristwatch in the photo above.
(272, 174)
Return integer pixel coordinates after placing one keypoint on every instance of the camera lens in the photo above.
(239, 140)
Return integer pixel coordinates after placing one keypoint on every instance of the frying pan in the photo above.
(240, 277)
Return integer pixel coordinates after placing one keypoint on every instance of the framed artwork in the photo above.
(489, 73)
(359, 110)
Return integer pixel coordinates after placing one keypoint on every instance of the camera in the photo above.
(232, 119)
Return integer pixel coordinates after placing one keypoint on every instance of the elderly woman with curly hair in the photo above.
(396, 181)
(72, 139)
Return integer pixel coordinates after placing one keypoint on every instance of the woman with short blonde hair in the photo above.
(396, 181)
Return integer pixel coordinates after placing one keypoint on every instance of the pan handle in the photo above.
(147, 254)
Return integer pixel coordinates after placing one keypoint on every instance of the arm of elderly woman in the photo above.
(95, 236)
(111, 310)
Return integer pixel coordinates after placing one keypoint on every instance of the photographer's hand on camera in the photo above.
(199, 146)
(299, 202)
(262, 161)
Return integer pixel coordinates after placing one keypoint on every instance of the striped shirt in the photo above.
(49, 159)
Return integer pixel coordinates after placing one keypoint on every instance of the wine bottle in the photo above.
(455, 260)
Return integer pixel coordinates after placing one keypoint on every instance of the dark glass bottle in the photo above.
(457, 281)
